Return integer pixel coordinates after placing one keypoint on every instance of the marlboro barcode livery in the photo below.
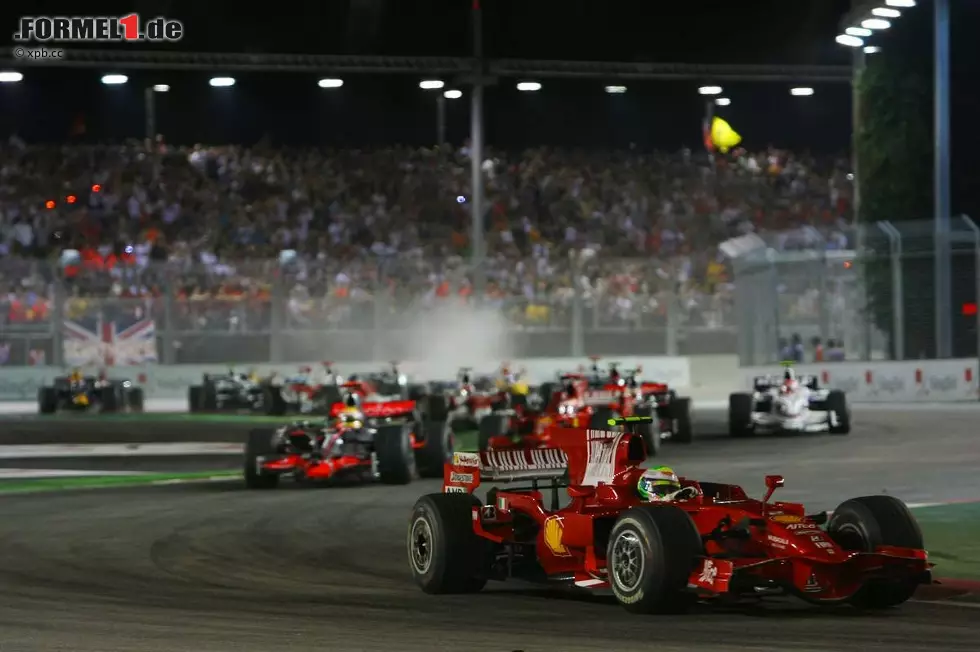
(660, 542)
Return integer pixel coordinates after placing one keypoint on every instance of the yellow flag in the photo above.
(723, 136)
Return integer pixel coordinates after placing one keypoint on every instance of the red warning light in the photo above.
(71, 199)
(96, 188)
(49, 204)
(969, 310)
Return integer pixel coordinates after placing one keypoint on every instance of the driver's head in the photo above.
(789, 380)
(657, 483)
(350, 418)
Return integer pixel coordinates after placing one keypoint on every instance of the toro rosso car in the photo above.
(78, 392)
(713, 542)
(788, 405)
(384, 441)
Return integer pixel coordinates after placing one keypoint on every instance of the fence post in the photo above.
(277, 320)
(976, 270)
(169, 330)
(57, 317)
(578, 312)
(898, 300)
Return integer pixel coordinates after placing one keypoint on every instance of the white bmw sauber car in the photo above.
(788, 404)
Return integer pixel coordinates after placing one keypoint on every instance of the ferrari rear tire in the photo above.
(396, 459)
(652, 551)
(445, 555)
(740, 415)
(437, 448)
(862, 524)
(259, 444)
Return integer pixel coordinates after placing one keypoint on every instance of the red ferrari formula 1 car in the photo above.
(655, 557)
(389, 441)
(572, 405)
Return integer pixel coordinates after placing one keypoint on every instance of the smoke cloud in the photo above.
(434, 344)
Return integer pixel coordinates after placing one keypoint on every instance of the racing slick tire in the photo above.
(396, 459)
(740, 415)
(652, 551)
(491, 425)
(47, 400)
(862, 524)
(650, 432)
(444, 553)
(134, 399)
(837, 404)
(546, 391)
(680, 414)
(436, 450)
(435, 407)
(110, 398)
(273, 401)
(259, 444)
(209, 397)
(600, 418)
(195, 398)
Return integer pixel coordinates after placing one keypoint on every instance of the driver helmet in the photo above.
(76, 376)
(350, 418)
(790, 382)
(657, 484)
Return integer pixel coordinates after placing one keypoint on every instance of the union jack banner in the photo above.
(107, 343)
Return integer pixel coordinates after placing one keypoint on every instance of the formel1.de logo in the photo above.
(98, 29)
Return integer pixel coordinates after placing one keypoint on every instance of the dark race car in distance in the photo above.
(82, 393)
(713, 542)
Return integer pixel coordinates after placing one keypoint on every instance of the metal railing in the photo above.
(874, 302)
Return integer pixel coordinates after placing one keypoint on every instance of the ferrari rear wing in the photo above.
(467, 470)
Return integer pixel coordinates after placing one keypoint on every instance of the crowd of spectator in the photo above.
(631, 234)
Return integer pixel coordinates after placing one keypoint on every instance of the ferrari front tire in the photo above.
(652, 551)
(861, 525)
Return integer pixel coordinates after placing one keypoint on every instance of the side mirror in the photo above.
(773, 482)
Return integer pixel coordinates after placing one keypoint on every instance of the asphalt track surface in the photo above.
(213, 567)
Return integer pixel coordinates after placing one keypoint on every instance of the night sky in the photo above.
(372, 110)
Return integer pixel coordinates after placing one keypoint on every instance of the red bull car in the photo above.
(715, 543)
(387, 441)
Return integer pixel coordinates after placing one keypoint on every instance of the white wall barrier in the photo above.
(923, 381)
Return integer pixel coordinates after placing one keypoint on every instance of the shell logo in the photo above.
(787, 518)
(553, 530)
